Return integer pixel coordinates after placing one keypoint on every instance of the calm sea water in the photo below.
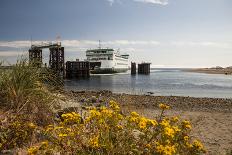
(161, 82)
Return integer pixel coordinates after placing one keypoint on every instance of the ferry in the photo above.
(107, 60)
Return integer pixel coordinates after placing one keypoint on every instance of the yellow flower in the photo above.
(165, 123)
(164, 106)
(119, 127)
(32, 150)
(31, 125)
(58, 127)
(44, 144)
(176, 128)
(120, 117)
(107, 112)
(94, 142)
(186, 138)
(169, 132)
(134, 114)
(198, 145)
(175, 119)
(71, 117)
(95, 113)
(186, 124)
(133, 119)
(114, 105)
(143, 123)
(152, 122)
(148, 146)
(189, 145)
(165, 150)
(62, 135)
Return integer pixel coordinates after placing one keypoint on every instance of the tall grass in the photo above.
(25, 89)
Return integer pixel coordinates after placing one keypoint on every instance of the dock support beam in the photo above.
(56, 60)
(133, 68)
(35, 57)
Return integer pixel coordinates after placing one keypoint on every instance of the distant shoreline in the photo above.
(225, 71)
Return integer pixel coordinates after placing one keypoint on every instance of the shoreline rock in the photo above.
(150, 101)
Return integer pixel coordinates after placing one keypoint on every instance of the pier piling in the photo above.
(144, 68)
(133, 68)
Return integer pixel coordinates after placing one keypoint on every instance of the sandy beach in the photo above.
(226, 71)
(211, 118)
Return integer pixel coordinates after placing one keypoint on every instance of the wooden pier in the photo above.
(77, 69)
(144, 68)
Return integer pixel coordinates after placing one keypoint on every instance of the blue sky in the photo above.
(168, 33)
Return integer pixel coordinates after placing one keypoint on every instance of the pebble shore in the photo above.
(150, 101)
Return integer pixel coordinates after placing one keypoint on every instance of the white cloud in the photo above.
(132, 42)
(159, 2)
(111, 2)
(19, 44)
(224, 45)
(11, 53)
(82, 45)
(15, 48)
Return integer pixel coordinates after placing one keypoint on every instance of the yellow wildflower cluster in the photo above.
(186, 124)
(32, 150)
(164, 106)
(165, 150)
(198, 145)
(141, 122)
(71, 117)
(105, 130)
(114, 105)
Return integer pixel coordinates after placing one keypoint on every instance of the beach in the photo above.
(211, 118)
(226, 71)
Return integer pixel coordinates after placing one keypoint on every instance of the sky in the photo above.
(167, 33)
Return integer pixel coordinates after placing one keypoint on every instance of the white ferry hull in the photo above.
(108, 70)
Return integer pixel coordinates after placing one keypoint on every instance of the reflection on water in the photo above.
(161, 82)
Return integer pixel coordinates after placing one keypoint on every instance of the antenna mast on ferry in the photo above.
(99, 44)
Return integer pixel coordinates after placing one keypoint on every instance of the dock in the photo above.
(56, 56)
(77, 69)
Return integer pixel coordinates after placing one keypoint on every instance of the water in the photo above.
(163, 82)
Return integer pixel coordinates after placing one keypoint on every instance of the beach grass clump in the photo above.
(25, 89)
(106, 131)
